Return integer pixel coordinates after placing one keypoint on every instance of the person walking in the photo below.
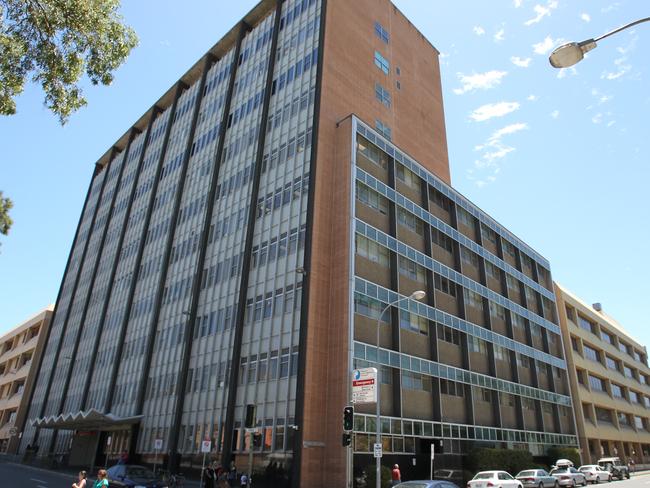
(101, 481)
(396, 475)
(243, 481)
(81, 481)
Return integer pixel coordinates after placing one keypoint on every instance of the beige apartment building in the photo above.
(20, 352)
(610, 379)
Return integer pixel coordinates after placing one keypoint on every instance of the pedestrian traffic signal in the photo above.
(348, 418)
(250, 416)
(347, 439)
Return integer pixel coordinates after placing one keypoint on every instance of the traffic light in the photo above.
(347, 439)
(348, 418)
(250, 416)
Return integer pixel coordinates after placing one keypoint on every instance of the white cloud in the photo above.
(476, 81)
(517, 3)
(609, 8)
(622, 67)
(555, 114)
(487, 167)
(478, 30)
(499, 36)
(521, 62)
(542, 11)
(532, 98)
(597, 119)
(585, 16)
(610, 123)
(491, 110)
(614, 75)
(546, 45)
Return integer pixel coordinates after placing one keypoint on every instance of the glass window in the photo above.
(381, 32)
(371, 250)
(634, 398)
(382, 63)
(383, 129)
(596, 383)
(617, 391)
(382, 95)
(411, 321)
(448, 334)
(623, 419)
(638, 422)
(591, 353)
(477, 345)
(372, 152)
(604, 415)
(606, 336)
(611, 363)
(372, 199)
(623, 347)
(627, 371)
(586, 324)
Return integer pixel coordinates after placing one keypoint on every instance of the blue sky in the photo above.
(559, 157)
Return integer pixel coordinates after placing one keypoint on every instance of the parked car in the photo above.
(453, 475)
(594, 473)
(615, 467)
(496, 479)
(132, 476)
(428, 484)
(537, 478)
(569, 476)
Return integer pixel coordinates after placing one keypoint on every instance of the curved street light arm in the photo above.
(626, 26)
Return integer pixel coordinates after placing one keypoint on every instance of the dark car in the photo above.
(132, 476)
(428, 484)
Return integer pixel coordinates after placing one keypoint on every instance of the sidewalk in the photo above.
(71, 473)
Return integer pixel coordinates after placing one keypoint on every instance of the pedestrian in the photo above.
(210, 475)
(243, 481)
(101, 481)
(396, 475)
(81, 481)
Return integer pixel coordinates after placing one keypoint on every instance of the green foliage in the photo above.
(54, 42)
(371, 472)
(5, 220)
(510, 460)
(570, 453)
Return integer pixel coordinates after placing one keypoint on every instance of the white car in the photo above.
(569, 476)
(493, 479)
(594, 473)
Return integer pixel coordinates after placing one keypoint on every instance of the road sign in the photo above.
(377, 450)
(157, 444)
(206, 446)
(364, 385)
(108, 440)
(433, 452)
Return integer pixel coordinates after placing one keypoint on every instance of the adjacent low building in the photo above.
(20, 352)
(610, 380)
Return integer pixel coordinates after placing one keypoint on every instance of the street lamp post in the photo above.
(416, 295)
(573, 52)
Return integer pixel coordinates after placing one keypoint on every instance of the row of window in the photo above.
(610, 362)
(370, 138)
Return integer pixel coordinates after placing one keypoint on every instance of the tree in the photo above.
(5, 220)
(55, 42)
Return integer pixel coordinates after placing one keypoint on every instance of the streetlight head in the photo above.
(418, 295)
(570, 53)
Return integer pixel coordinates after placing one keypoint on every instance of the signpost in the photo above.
(433, 454)
(206, 446)
(364, 385)
(157, 446)
(377, 451)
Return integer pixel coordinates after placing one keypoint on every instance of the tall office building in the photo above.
(237, 243)
(610, 379)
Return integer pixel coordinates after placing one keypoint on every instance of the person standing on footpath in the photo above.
(396, 475)
(81, 481)
(101, 481)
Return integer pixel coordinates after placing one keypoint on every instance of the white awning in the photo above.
(86, 420)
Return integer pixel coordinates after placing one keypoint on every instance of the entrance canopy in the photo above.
(86, 420)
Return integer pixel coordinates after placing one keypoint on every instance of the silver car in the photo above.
(537, 478)
(569, 476)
